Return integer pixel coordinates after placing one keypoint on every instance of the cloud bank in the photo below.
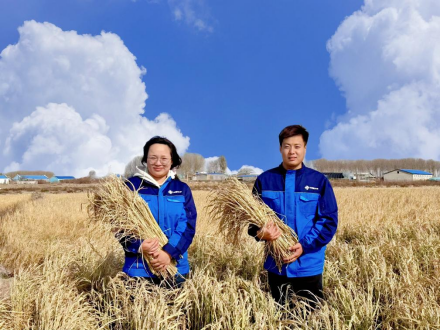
(385, 58)
(70, 103)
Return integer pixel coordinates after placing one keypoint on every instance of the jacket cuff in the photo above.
(252, 231)
(171, 250)
(305, 246)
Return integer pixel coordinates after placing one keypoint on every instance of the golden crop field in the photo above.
(382, 270)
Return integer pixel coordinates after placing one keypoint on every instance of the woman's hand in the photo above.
(269, 232)
(150, 247)
(160, 261)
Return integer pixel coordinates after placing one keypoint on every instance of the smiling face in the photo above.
(159, 161)
(293, 150)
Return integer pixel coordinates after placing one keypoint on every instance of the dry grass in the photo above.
(9, 203)
(234, 207)
(382, 271)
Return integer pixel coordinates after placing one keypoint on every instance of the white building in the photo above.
(407, 175)
(4, 179)
(365, 176)
(216, 176)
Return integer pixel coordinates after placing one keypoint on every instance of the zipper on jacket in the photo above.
(290, 203)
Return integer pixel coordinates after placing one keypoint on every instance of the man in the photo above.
(303, 198)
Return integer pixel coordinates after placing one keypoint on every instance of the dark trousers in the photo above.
(283, 288)
(174, 283)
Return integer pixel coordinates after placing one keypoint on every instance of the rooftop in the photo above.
(33, 177)
(416, 172)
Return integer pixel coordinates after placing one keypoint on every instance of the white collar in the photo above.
(147, 177)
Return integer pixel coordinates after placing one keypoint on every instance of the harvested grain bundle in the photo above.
(127, 213)
(235, 207)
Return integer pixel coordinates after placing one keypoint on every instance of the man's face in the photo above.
(293, 150)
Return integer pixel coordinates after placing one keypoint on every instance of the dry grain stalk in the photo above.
(128, 214)
(235, 208)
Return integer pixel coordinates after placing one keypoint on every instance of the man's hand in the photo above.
(269, 232)
(150, 247)
(297, 252)
(160, 261)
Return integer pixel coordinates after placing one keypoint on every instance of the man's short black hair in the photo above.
(293, 130)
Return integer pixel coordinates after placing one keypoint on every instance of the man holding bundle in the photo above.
(303, 198)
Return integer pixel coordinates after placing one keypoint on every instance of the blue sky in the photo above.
(232, 74)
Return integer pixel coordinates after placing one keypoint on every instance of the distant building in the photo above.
(365, 176)
(200, 176)
(247, 177)
(216, 176)
(407, 175)
(333, 175)
(203, 176)
(25, 178)
(4, 179)
(59, 178)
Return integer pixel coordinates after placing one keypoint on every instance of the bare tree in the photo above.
(132, 167)
(191, 163)
(214, 166)
(222, 164)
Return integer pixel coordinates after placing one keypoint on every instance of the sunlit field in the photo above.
(382, 270)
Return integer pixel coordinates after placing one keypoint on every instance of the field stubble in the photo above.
(382, 270)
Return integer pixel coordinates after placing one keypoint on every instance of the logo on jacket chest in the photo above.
(171, 192)
(312, 188)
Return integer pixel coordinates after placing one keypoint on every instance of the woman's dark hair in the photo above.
(176, 160)
(293, 130)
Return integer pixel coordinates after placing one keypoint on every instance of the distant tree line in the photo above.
(192, 163)
(376, 167)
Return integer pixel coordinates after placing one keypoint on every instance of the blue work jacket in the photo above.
(305, 201)
(173, 207)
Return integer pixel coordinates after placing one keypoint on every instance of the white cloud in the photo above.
(70, 103)
(178, 14)
(385, 59)
(193, 13)
(249, 169)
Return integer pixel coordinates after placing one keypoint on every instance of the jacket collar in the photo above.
(298, 172)
(148, 178)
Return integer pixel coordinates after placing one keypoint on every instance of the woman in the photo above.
(171, 203)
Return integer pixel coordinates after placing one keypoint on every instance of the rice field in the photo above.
(382, 270)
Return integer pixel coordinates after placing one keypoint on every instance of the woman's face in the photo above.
(159, 160)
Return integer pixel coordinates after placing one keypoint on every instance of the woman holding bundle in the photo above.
(171, 203)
